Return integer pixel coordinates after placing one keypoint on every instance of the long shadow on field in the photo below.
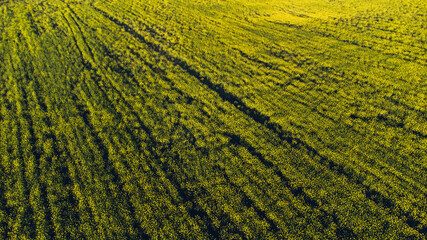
(337, 168)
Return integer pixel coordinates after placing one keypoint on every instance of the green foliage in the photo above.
(299, 119)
